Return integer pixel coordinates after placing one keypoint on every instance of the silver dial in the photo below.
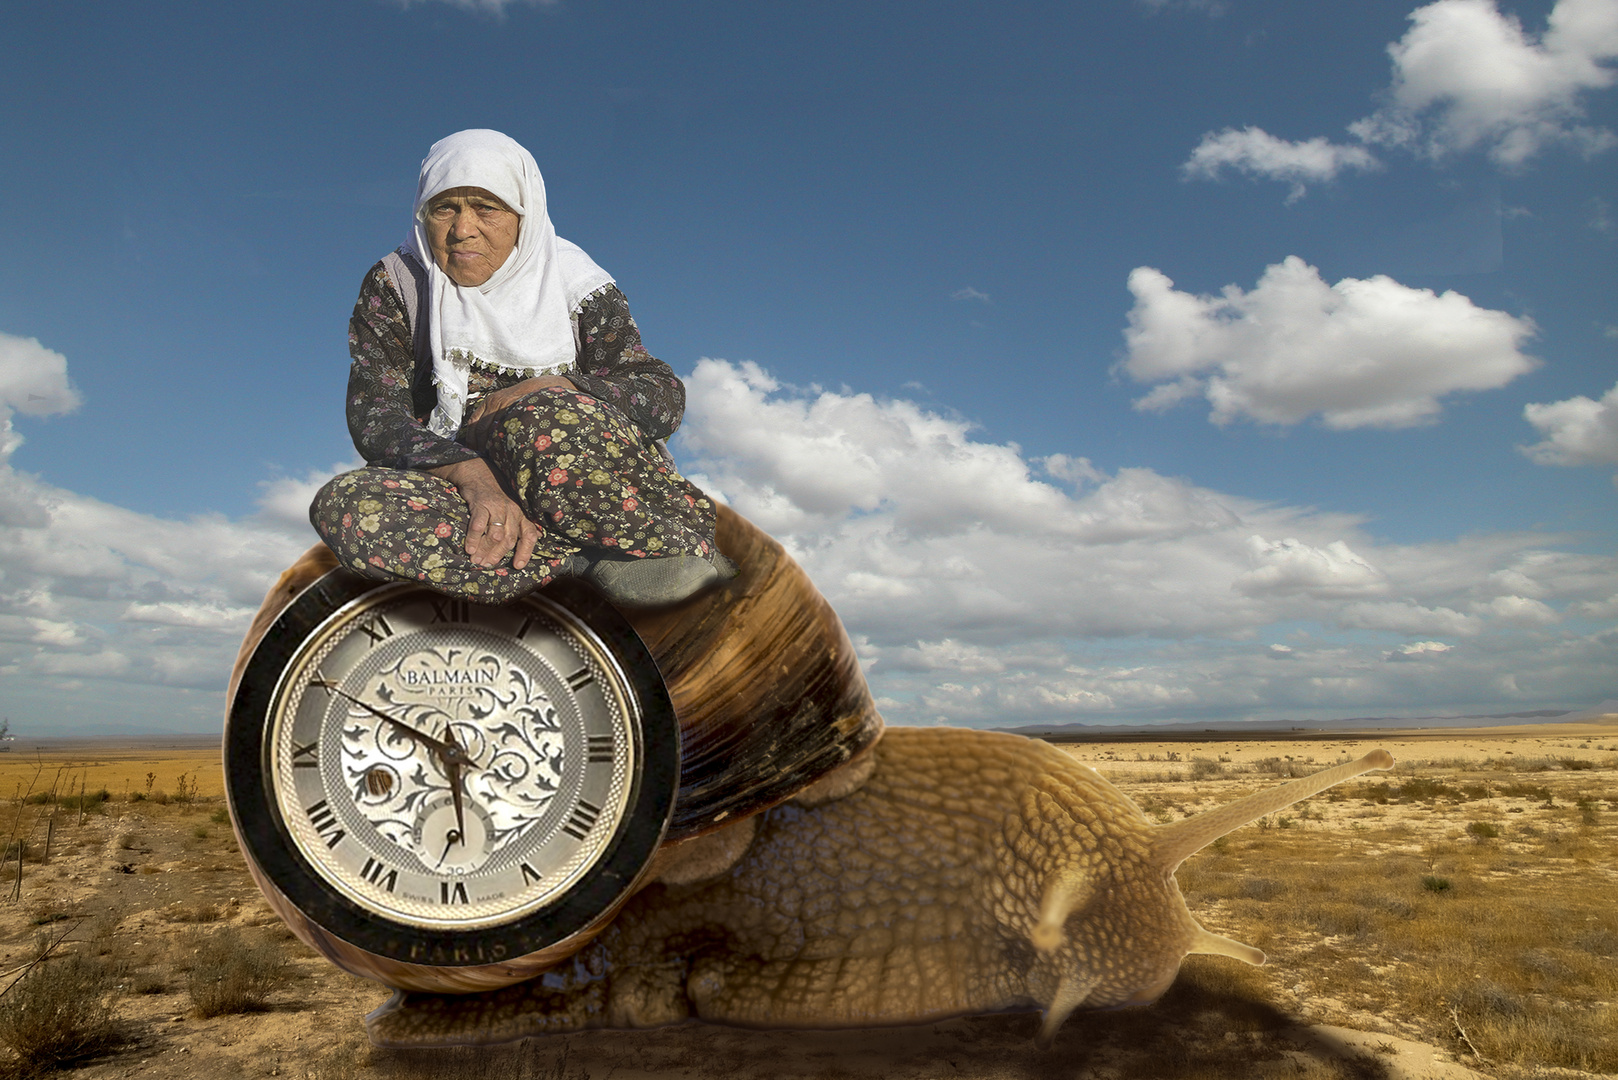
(447, 764)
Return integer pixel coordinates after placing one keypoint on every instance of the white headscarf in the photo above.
(520, 320)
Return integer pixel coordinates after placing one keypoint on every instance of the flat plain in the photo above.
(1455, 917)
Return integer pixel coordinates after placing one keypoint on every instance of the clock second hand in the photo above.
(450, 841)
(449, 752)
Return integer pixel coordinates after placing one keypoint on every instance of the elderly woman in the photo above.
(506, 408)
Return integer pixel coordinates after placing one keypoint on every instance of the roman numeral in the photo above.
(580, 679)
(373, 873)
(527, 625)
(584, 816)
(452, 609)
(324, 820)
(303, 757)
(324, 683)
(452, 895)
(529, 875)
(600, 749)
(377, 629)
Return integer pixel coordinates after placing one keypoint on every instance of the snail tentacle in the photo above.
(1070, 994)
(1173, 843)
(1209, 944)
(1066, 890)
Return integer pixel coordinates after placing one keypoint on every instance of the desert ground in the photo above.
(1456, 917)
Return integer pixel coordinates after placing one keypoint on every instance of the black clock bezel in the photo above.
(268, 842)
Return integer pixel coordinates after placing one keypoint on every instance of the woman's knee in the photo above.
(334, 499)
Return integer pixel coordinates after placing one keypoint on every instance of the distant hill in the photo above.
(1354, 723)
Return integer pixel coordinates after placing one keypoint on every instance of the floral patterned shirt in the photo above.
(384, 414)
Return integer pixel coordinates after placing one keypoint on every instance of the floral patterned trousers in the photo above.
(577, 467)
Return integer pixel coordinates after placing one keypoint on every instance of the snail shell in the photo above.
(769, 697)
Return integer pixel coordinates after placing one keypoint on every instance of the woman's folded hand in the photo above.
(496, 400)
(497, 526)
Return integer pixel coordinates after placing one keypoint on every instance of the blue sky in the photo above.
(1118, 361)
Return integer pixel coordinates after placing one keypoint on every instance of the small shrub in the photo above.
(1422, 789)
(148, 982)
(232, 973)
(1483, 998)
(1396, 907)
(1262, 889)
(58, 1013)
(202, 912)
(1576, 764)
(1202, 768)
(200, 832)
(1483, 830)
(1435, 884)
(220, 816)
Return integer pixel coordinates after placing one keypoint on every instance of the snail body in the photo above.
(970, 872)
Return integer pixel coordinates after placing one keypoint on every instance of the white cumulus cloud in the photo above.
(1292, 566)
(1577, 431)
(33, 381)
(1466, 77)
(1255, 152)
(112, 605)
(1360, 353)
(979, 592)
(1420, 650)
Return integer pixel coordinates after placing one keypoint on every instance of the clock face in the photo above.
(438, 771)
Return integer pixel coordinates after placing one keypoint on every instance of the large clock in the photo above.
(431, 783)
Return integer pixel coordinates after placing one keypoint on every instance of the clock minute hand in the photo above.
(441, 749)
(449, 752)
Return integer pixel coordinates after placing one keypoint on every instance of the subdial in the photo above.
(439, 842)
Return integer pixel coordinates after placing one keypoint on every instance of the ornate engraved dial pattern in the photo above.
(448, 764)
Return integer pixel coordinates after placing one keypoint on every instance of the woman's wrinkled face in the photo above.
(472, 233)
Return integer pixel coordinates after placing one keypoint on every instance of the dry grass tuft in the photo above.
(57, 1014)
(232, 973)
(200, 912)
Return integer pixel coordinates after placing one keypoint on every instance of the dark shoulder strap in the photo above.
(411, 278)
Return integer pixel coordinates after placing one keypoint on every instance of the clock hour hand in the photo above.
(454, 771)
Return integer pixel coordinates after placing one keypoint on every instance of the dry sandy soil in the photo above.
(1375, 969)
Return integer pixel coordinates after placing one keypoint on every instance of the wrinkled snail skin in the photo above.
(972, 872)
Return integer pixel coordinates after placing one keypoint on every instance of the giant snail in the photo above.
(820, 872)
